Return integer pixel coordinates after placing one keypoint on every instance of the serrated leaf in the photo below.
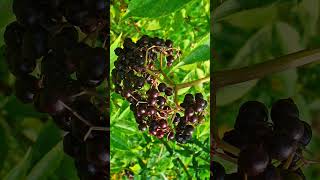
(48, 164)
(154, 9)
(232, 93)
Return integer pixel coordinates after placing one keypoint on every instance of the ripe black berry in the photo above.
(283, 107)
(307, 135)
(253, 160)
(217, 171)
(162, 87)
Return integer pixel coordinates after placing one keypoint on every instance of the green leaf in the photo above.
(289, 80)
(154, 9)
(3, 146)
(254, 45)
(6, 16)
(117, 141)
(308, 12)
(200, 53)
(244, 9)
(68, 170)
(113, 56)
(48, 164)
(232, 93)
(18, 110)
(49, 136)
(19, 172)
(288, 37)
(225, 9)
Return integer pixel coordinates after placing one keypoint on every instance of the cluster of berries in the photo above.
(261, 142)
(136, 79)
(87, 15)
(69, 71)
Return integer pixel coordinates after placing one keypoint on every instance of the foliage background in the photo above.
(30, 142)
(187, 24)
(250, 32)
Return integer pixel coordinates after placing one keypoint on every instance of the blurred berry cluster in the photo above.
(262, 143)
(55, 71)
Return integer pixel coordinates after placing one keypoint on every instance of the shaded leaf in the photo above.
(49, 136)
(20, 170)
(232, 93)
(48, 164)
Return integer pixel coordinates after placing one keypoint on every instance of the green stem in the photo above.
(226, 157)
(288, 161)
(184, 167)
(228, 147)
(229, 77)
(192, 83)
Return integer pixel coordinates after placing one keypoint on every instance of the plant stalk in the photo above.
(229, 77)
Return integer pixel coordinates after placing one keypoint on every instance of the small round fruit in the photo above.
(253, 160)
(162, 87)
(307, 134)
(283, 107)
(217, 171)
(280, 147)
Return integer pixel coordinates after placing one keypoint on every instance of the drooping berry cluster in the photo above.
(137, 78)
(262, 142)
(60, 74)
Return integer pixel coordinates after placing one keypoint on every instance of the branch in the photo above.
(229, 77)
(192, 83)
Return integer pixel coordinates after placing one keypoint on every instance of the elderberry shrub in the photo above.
(261, 142)
(45, 35)
(135, 78)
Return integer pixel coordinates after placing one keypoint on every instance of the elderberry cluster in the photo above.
(59, 74)
(136, 78)
(262, 143)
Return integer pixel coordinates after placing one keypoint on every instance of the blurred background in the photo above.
(135, 153)
(30, 142)
(250, 32)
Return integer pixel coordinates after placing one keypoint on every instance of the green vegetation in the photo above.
(187, 24)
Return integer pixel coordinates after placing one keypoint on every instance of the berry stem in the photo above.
(76, 114)
(157, 77)
(184, 167)
(192, 83)
(288, 161)
(226, 157)
(245, 176)
(229, 77)
(299, 164)
(228, 147)
(94, 128)
(167, 78)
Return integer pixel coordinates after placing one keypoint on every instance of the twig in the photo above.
(184, 167)
(228, 77)
(226, 157)
(192, 83)
(288, 161)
